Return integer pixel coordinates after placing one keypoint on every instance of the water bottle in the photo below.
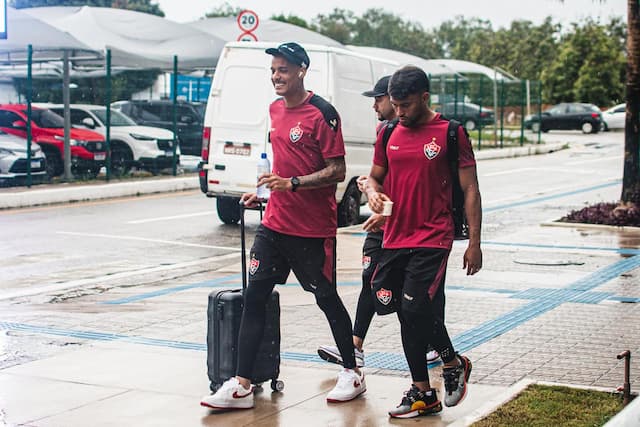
(264, 166)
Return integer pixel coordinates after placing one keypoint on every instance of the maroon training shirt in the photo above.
(301, 138)
(418, 182)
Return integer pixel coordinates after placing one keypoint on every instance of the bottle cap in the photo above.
(263, 155)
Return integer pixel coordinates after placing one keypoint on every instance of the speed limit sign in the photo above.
(247, 21)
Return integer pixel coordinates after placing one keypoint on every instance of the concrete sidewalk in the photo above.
(20, 197)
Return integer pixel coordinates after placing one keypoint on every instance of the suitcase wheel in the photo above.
(277, 385)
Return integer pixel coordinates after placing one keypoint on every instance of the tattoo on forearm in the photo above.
(333, 173)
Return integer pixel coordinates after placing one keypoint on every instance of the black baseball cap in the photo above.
(380, 89)
(292, 52)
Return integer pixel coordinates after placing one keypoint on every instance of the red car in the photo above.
(88, 148)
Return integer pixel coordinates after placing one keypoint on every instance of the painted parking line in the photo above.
(162, 292)
(227, 281)
(234, 280)
(144, 239)
(168, 218)
(543, 301)
(621, 251)
(547, 301)
(550, 197)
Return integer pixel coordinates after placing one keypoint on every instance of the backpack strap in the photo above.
(388, 130)
(452, 145)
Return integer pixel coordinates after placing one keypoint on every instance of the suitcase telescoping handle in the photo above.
(243, 244)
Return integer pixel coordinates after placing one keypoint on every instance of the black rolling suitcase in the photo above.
(223, 324)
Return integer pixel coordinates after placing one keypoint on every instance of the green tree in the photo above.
(337, 25)
(294, 20)
(223, 10)
(586, 67)
(138, 5)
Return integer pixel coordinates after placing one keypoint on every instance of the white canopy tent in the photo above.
(136, 40)
(47, 41)
(466, 67)
(429, 66)
(48, 45)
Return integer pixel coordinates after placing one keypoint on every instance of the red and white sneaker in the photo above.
(231, 395)
(349, 386)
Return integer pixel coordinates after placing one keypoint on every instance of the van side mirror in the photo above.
(89, 122)
(19, 124)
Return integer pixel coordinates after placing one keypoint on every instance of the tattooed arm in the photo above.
(333, 173)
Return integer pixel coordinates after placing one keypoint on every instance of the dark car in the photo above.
(567, 116)
(160, 114)
(470, 115)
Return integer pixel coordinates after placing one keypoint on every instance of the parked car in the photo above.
(470, 115)
(160, 114)
(14, 160)
(47, 129)
(131, 144)
(566, 116)
(614, 117)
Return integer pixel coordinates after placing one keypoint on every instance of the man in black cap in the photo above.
(298, 230)
(372, 247)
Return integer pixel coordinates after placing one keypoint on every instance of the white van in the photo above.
(237, 115)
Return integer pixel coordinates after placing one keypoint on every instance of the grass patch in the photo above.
(543, 406)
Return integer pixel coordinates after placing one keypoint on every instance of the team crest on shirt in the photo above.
(295, 133)
(384, 296)
(254, 264)
(431, 150)
(366, 262)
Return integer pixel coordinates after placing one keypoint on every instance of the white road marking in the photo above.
(546, 192)
(168, 218)
(601, 159)
(144, 239)
(56, 287)
(543, 169)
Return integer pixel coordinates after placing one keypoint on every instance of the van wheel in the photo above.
(349, 207)
(587, 127)
(121, 158)
(228, 209)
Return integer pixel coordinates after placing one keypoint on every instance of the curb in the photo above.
(527, 150)
(69, 193)
(585, 226)
(80, 193)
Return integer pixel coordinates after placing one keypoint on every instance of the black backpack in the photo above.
(460, 225)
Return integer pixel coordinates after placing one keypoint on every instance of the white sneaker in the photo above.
(331, 354)
(349, 386)
(231, 395)
(432, 356)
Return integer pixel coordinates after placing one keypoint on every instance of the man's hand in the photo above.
(376, 201)
(472, 259)
(275, 182)
(249, 200)
(373, 223)
(362, 183)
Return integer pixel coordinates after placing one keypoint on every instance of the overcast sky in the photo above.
(428, 13)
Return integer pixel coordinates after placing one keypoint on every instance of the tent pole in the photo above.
(67, 117)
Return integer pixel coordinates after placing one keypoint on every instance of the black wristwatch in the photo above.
(294, 183)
